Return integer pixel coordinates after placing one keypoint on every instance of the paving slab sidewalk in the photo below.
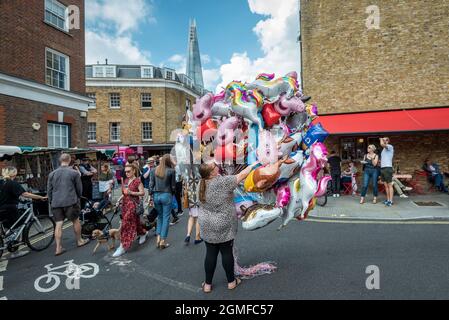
(348, 207)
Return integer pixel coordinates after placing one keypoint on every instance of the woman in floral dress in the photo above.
(132, 190)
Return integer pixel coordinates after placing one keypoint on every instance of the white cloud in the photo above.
(205, 59)
(124, 15)
(110, 27)
(117, 49)
(211, 78)
(277, 35)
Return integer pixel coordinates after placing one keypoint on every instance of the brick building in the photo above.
(137, 106)
(42, 78)
(387, 81)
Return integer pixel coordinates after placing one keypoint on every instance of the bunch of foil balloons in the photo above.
(269, 122)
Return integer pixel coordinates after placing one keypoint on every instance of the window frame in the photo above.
(104, 71)
(67, 68)
(143, 69)
(50, 11)
(92, 95)
(119, 100)
(119, 132)
(142, 100)
(60, 125)
(150, 130)
(89, 131)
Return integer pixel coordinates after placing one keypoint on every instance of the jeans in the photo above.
(438, 181)
(369, 174)
(335, 183)
(163, 205)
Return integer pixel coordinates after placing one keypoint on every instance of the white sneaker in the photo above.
(143, 238)
(120, 251)
(334, 195)
(404, 196)
(408, 188)
(338, 195)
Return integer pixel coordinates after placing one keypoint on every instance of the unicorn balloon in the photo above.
(273, 89)
(306, 187)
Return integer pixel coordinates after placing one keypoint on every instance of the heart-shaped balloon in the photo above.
(270, 115)
(225, 154)
(207, 130)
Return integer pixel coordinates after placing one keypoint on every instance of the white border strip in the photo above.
(20, 88)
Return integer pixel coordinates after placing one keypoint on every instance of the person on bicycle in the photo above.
(10, 192)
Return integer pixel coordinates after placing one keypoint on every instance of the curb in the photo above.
(423, 218)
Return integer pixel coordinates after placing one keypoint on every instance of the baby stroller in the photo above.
(94, 216)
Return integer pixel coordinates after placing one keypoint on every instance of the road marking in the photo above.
(3, 265)
(1, 283)
(154, 276)
(373, 221)
(3, 298)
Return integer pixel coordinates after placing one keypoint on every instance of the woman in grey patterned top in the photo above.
(218, 220)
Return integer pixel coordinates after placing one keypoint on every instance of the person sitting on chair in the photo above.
(434, 174)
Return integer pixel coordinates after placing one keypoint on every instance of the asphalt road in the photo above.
(316, 260)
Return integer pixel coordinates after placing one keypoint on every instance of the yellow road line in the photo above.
(373, 221)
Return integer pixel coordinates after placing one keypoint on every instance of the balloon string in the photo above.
(254, 270)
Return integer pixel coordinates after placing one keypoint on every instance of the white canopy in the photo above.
(9, 150)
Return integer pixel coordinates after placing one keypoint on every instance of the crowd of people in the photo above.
(157, 188)
(378, 168)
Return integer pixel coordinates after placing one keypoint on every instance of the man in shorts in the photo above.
(64, 192)
(386, 171)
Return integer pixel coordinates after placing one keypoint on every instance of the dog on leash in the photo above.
(102, 238)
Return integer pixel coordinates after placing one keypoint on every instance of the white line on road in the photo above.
(374, 221)
(3, 298)
(1, 283)
(3, 265)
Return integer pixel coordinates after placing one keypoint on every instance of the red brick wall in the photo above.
(2, 125)
(23, 113)
(24, 36)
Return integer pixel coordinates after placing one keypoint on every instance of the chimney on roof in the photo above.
(106, 61)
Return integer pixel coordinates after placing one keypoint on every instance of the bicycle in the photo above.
(37, 232)
(71, 270)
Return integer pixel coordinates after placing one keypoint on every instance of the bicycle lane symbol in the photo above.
(73, 273)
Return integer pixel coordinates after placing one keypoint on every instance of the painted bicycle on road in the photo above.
(50, 281)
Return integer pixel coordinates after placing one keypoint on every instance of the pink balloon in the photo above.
(322, 186)
(283, 195)
(202, 109)
(220, 96)
(225, 133)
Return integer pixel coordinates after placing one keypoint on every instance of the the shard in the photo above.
(194, 70)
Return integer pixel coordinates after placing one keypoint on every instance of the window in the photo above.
(92, 132)
(104, 71)
(58, 135)
(114, 130)
(93, 96)
(146, 72)
(57, 69)
(114, 100)
(188, 104)
(55, 14)
(146, 100)
(147, 131)
(347, 149)
(170, 74)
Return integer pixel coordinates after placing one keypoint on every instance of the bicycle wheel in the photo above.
(51, 283)
(321, 201)
(39, 233)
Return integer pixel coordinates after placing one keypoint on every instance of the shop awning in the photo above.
(435, 119)
(9, 150)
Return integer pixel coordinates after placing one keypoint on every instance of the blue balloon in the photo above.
(253, 142)
(316, 133)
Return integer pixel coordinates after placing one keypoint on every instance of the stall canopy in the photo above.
(9, 150)
(411, 120)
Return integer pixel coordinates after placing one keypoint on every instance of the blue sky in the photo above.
(237, 38)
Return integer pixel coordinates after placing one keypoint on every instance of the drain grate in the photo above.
(428, 204)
